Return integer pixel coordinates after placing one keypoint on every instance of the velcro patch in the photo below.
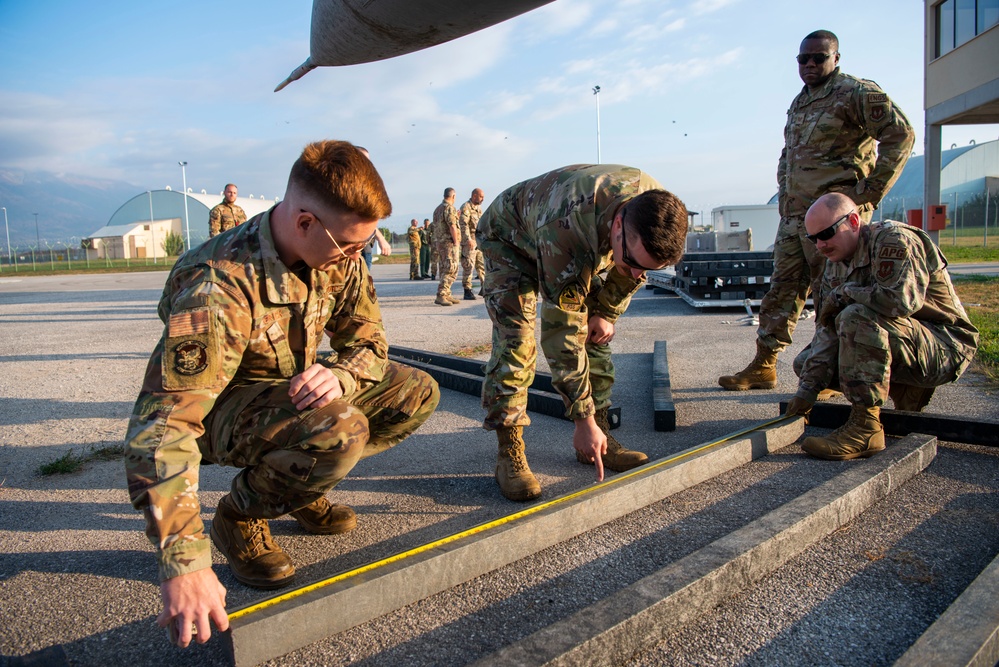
(878, 113)
(876, 98)
(886, 269)
(571, 299)
(188, 323)
(893, 252)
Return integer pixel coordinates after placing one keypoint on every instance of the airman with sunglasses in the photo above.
(890, 325)
(581, 237)
(238, 379)
(845, 135)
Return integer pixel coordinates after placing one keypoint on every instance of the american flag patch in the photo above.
(188, 323)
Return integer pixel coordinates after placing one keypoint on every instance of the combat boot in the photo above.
(514, 476)
(761, 373)
(443, 301)
(861, 436)
(452, 299)
(828, 394)
(469, 295)
(254, 558)
(324, 518)
(617, 457)
(907, 397)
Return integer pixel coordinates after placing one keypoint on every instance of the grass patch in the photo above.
(71, 462)
(980, 296)
(968, 254)
(470, 351)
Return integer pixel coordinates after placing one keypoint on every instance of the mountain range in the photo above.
(68, 205)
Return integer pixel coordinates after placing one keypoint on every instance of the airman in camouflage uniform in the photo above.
(582, 237)
(471, 256)
(238, 379)
(415, 245)
(843, 135)
(448, 239)
(226, 214)
(425, 250)
(890, 325)
(435, 258)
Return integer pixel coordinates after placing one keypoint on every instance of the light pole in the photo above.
(7, 226)
(596, 96)
(38, 242)
(187, 221)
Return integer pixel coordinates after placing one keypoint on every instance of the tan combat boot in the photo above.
(453, 299)
(861, 436)
(761, 373)
(617, 457)
(442, 301)
(514, 476)
(254, 558)
(324, 518)
(907, 397)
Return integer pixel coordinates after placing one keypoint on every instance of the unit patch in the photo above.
(877, 98)
(886, 269)
(878, 113)
(571, 299)
(190, 357)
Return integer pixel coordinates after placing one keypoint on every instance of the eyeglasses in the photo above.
(628, 259)
(829, 231)
(817, 58)
(348, 249)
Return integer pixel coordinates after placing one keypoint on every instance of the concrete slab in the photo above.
(901, 423)
(664, 411)
(288, 621)
(639, 615)
(967, 634)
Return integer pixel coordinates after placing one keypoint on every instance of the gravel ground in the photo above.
(77, 572)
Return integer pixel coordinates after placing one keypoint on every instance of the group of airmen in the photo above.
(238, 377)
(437, 248)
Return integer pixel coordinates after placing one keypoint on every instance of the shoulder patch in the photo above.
(877, 98)
(571, 299)
(885, 269)
(893, 252)
(878, 113)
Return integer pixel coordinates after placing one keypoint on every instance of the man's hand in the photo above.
(832, 305)
(799, 406)
(383, 246)
(591, 442)
(315, 387)
(193, 599)
(600, 330)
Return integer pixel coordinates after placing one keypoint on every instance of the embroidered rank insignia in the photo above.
(190, 357)
(878, 113)
(877, 98)
(886, 269)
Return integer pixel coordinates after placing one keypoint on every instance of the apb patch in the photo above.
(190, 357)
(877, 98)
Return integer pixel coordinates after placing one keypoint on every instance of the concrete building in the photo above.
(137, 229)
(962, 77)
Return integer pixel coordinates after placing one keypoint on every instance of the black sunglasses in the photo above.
(628, 259)
(829, 231)
(817, 58)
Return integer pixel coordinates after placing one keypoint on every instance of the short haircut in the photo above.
(824, 34)
(660, 219)
(229, 185)
(448, 192)
(341, 178)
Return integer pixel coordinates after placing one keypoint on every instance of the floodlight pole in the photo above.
(7, 226)
(596, 96)
(187, 220)
(38, 242)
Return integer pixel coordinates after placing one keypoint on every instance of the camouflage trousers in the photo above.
(290, 457)
(435, 260)
(471, 258)
(511, 294)
(798, 268)
(875, 351)
(448, 253)
(414, 262)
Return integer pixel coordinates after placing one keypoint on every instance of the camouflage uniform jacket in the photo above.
(235, 315)
(468, 221)
(224, 217)
(445, 217)
(563, 218)
(415, 238)
(897, 272)
(845, 137)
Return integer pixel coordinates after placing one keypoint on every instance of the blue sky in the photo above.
(692, 92)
